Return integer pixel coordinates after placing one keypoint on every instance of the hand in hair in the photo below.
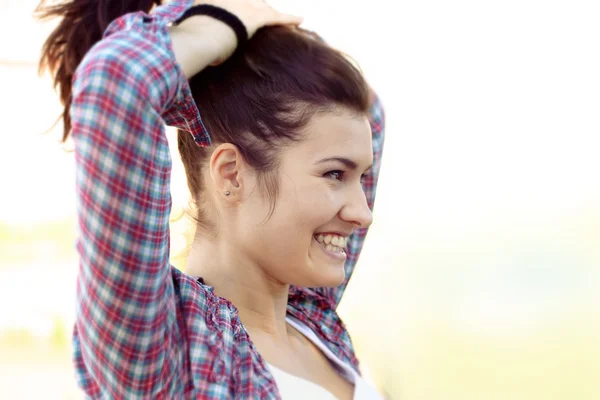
(254, 14)
(214, 40)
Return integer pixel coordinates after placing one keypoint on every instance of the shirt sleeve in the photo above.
(356, 241)
(124, 91)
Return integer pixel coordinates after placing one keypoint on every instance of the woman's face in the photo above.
(320, 203)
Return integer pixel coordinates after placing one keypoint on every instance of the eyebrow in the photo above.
(346, 161)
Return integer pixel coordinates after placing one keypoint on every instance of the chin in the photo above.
(328, 276)
(319, 276)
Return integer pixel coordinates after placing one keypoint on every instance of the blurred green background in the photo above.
(480, 277)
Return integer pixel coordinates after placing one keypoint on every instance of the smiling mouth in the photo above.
(332, 243)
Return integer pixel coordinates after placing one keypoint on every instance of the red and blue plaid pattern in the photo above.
(143, 328)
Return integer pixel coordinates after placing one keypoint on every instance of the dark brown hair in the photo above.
(260, 99)
(82, 25)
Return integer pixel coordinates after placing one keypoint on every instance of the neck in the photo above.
(260, 299)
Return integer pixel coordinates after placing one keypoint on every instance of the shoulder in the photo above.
(220, 354)
(318, 312)
(196, 300)
(213, 329)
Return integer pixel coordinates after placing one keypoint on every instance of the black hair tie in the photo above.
(222, 15)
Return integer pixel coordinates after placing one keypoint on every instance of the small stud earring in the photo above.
(227, 193)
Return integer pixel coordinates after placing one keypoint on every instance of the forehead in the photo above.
(338, 133)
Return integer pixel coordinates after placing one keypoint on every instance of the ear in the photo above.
(227, 170)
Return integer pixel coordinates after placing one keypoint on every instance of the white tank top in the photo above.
(292, 387)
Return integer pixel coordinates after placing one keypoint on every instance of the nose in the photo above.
(356, 210)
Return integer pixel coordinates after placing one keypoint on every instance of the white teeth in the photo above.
(335, 242)
(335, 249)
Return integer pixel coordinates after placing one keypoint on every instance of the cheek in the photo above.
(283, 245)
(311, 205)
(300, 211)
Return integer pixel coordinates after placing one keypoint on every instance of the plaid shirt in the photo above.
(144, 329)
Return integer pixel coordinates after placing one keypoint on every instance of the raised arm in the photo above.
(123, 91)
(128, 339)
(356, 241)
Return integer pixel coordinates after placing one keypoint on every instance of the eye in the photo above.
(336, 174)
(362, 178)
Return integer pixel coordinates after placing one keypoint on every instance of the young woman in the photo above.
(283, 198)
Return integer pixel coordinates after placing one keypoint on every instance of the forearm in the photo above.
(199, 41)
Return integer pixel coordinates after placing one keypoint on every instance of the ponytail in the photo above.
(82, 25)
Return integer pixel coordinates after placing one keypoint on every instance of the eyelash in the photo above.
(337, 171)
(341, 175)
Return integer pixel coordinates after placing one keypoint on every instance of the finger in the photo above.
(285, 19)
